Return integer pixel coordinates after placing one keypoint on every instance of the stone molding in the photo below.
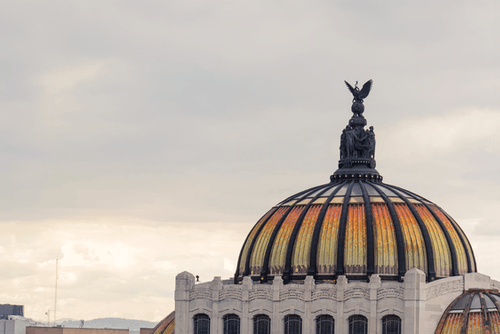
(439, 288)
(417, 302)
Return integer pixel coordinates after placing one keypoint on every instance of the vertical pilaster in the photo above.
(276, 322)
(184, 282)
(216, 320)
(414, 292)
(340, 322)
(375, 283)
(246, 322)
(308, 322)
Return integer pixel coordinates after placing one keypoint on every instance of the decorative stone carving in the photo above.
(357, 293)
(444, 288)
(324, 294)
(230, 294)
(260, 294)
(200, 294)
(291, 294)
(393, 292)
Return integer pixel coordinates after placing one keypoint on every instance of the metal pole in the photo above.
(55, 299)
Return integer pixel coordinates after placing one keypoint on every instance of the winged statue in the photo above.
(358, 94)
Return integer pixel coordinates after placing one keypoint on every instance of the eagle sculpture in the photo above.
(359, 95)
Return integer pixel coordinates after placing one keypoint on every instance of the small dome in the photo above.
(474, 311)
(166, 326)
(355, 225)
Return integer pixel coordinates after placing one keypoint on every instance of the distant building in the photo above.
(15, 324)
(12, 320)
(68, 330)
(7, 309)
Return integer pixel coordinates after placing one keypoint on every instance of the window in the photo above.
(325, 324)
(261, 324)
(231, 324)
(391, 324)
(358, 324)
(293, 324)
(201, 324)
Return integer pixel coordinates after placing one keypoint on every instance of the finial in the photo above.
(357, 102)
(357, 145)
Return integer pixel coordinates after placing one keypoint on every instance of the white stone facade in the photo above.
(420, 305)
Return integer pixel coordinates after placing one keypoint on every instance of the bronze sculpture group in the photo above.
(355, 141)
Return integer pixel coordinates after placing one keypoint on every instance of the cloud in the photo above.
(429, 136)
(67, 78)
(130, 129)
(116, 260)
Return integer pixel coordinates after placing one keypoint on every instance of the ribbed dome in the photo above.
(166, 326)
(355, 225)
(474, 311)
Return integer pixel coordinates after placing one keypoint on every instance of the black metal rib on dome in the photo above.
(246, 272)
(484, 311)
(301, 193)
(250, 249)
(293, 236)
(465, 318)
(425, 234)
(397, 228)
(455, 227)
(453, 251)
(265, 265)
(370, 239)
(465, 242)
(497, 304)
(342, 230)
(317, 230)
(442, 321)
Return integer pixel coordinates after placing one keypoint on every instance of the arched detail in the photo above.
(293, 324)
(201, 324)
(231, 324)
(358, 324)
(391, 324)
(261, 324)
(342, 230)
(325, 324)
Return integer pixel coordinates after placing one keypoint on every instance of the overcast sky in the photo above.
(139, 139)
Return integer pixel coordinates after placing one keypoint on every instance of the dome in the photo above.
(356, 225)
(166, 326)
(474, 311)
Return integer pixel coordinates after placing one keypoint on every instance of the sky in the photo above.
(140, 139)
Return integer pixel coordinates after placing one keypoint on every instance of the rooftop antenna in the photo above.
(55, 299)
